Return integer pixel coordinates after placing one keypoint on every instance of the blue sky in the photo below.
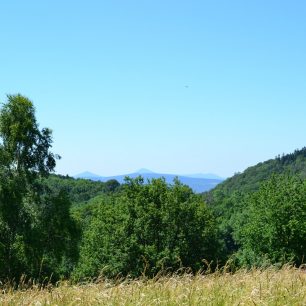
(173, 86)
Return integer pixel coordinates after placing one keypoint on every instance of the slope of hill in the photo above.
(235, 204)
(252, 177)
(198, 184)
(79, 190)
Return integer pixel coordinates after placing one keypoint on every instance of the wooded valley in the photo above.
(55, 227)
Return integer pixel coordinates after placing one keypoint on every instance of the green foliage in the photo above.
(232, 199)
(251, 179)
(56, 237)
(24, 149)
(32, 226)
(53, 225)
(112, 186)
(147, 228)
(274, 227)
(80, 190)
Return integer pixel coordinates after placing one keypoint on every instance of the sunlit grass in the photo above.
(286, 286)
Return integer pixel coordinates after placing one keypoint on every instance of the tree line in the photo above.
(56, 227)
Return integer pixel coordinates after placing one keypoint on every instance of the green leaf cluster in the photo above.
(80, 191)
(146, 229)
(36, 231)
(261, 212)
(274, 227)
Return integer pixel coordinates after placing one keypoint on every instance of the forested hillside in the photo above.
(252, 177)
(262, 212)
(80, 190)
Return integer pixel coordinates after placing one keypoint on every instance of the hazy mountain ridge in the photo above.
(198, 184)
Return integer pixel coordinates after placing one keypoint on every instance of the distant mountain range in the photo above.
(198, 182)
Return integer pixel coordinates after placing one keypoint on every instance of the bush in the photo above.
(148, 228)
(275, 224)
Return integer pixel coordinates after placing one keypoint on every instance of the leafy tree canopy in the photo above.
(273, 229)
(36, 231)
(148, 228)
(24, 148)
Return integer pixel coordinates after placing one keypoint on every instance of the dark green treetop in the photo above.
(24, 148)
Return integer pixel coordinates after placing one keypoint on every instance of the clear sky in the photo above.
(173, 86)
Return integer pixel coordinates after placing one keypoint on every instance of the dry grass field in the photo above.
(256, 287)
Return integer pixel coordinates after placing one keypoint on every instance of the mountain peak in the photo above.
(86, 174)
(143, 171)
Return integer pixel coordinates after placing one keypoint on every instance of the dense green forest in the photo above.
(267, 200)
(79, 190)
(252, 177)
(58, 227)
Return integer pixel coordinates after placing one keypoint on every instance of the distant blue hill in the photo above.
(198, 184)
(206, 176)
(87, 175)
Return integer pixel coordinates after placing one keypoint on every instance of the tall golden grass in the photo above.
(286, 286)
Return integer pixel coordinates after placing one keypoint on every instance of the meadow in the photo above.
(286, 286)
